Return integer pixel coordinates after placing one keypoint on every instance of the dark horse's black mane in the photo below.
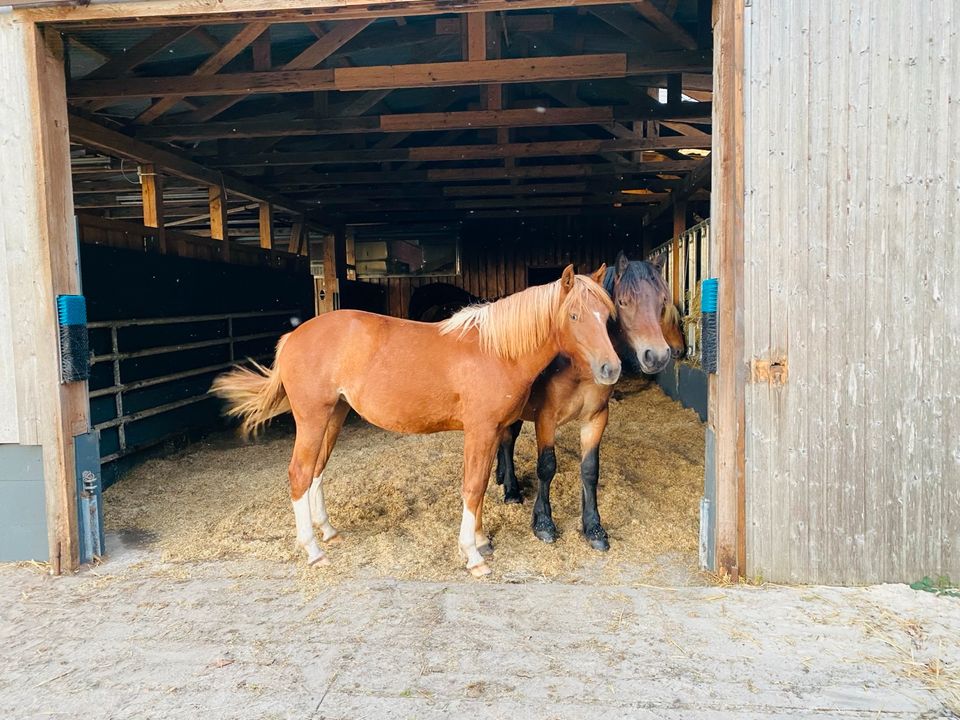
(636, 272)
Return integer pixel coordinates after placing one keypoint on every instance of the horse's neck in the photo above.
(533, 363)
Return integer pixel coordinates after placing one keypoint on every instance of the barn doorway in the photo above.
(369, 191)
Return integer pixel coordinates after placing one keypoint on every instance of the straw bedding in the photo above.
(396, 501)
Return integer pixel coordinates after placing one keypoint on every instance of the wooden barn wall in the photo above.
(496, 254)
(852, 276)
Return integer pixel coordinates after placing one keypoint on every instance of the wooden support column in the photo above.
(334, 268)
(38, 261)
(266, 226)
(727, 387)
(151, 188)
(679, 225)
(296, 237)
(219, 229)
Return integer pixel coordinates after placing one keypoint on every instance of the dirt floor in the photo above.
(205, 609)
(396, 501)
(240, 638)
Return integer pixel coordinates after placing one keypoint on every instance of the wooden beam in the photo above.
(219, 220)
(665, 24)
(444, 74)
(296, 238)
(313, 55)
(685, 188)
(38, 262)
(128, 60)
(416, 122)
(466, 152)
(729, 382)
(524, 172)
(475, 25)
(190, 12)
(96, 136)
(151, 189)
(266, 226)
(540, 23)
(208, 68)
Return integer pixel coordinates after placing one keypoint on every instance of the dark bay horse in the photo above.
(472, 372)
(566, 391)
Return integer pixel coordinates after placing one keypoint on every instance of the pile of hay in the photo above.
(396, 501)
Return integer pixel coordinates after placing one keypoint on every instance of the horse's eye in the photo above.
(574, 316)
(621, 302)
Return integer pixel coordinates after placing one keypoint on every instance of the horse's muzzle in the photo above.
(607, 373)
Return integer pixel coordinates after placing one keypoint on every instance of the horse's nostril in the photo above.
(648, 358)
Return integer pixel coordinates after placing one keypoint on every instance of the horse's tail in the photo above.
(255, 395)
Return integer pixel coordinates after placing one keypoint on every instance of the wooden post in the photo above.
(727, 414)
(334, 267)
(219, 228)
(266, 226)
(151, 188)
(296, 237)
(38, 261)
(679, 225)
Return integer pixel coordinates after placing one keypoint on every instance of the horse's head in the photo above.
(582, 324)
(641, 296)
(672, 327)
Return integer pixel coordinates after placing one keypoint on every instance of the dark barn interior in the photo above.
(231, 179)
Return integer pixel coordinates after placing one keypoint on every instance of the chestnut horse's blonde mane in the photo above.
(520, 323)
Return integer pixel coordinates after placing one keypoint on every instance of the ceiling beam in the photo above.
(328, 43)
(521, 172)
(683, 190)
(665, 24)
(457, 153)
(208, 68)
(144, 14)
(103, 139)
(442, 74)
(420, 122)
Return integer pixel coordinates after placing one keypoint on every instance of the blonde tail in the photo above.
(254, 395)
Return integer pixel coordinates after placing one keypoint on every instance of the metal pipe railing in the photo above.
(115, 357)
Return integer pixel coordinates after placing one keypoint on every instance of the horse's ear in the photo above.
(567, 279)
(622, 263)
(659, 261)
(599, 274)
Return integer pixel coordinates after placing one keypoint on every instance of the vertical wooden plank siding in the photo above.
(38, 261)
(852, 277)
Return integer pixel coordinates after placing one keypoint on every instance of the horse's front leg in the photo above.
(479, 447)
(543, 525)
(506, 470)
(591, 434)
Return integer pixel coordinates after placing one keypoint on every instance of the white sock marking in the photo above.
(305, 536)
(468, 538)
(318, 509)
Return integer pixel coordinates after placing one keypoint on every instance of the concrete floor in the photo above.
(136, 638)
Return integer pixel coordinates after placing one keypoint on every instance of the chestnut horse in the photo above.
(566, 391)
(472, 372)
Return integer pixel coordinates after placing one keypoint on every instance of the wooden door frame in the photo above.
(727, 387)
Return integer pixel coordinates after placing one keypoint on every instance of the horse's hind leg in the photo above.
(318, 508)
(506, 470)
(543, 525)
(590, 435)
(306, 450)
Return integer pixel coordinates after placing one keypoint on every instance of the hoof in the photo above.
(513, 498)
(545, 530)
(486, 550)
(321, 561)
(334, 539)
(479, 571)
(597, 537)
